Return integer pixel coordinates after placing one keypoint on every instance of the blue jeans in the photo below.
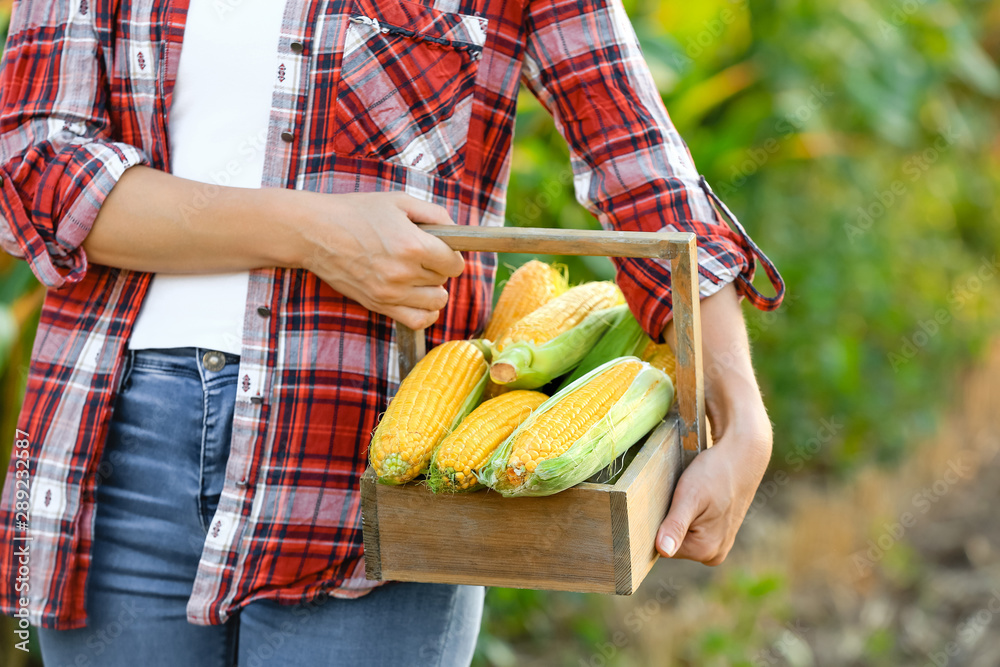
(160, 479)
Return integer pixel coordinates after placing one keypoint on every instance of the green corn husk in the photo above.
(472, 401)
(644, 404)
(537, 365)
(484, 346)
(625, 338)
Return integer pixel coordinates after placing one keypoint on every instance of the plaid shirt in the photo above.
(369, 95)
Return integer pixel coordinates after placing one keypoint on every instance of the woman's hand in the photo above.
(366, 247)
(715, 492)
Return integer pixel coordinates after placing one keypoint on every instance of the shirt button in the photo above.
(297, 47)
(287, 136)
(242, 483)
(256, 400)
(264, 311)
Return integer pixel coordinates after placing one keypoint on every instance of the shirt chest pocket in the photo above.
(406, 85)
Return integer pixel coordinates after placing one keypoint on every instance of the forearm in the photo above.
(154, 221)
(363, 245)
(732, 395)
(715, 491)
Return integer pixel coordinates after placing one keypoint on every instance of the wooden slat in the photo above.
(537, 241)
(661, 436)
(369, 524)
(625, 506)
(559, 542)
(621, 542)
(649, 486)
(412, 346)
(687, 327)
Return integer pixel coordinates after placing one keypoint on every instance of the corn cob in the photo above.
(660, 355)
(553, 433)
(493, 390)
(553, 339)
(623, 338)
(562, 313)
(468, 446)
(530, 287)
(580, 430)
(441, 389)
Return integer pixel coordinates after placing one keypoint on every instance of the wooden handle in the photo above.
(538, 241)
(687, 328)
(679, 247)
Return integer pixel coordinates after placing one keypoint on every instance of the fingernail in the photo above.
(668, 546)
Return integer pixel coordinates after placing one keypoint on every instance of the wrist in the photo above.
(287, 226)
(730, 388)
(740, 413)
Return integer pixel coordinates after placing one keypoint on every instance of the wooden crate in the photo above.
(595, 538)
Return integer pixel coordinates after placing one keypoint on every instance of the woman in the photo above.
(220, 198)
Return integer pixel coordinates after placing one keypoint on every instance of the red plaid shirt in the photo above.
(381, 95)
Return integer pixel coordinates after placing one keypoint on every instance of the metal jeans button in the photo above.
(214, 361)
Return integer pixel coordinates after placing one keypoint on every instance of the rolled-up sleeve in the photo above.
(58, 161)
(631, 168)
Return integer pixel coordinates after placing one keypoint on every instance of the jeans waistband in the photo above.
(193, 353)
(183, 360)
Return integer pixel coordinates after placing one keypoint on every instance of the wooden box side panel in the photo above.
(560, 542)
(640, 501)
(649, 498)
(369, 525)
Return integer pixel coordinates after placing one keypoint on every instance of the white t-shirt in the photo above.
(217, 130)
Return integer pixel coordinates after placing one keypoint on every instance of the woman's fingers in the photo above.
(437, 256)
(414, 318)
(686, 506)
(421, 298)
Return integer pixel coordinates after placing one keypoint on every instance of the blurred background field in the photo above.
(858, 143)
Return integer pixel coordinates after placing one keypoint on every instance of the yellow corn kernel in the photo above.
(426, 406)
(562, 313)
(478, 436)
(530, 287)
(493, 390)
(659, 355)
(555, 430)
